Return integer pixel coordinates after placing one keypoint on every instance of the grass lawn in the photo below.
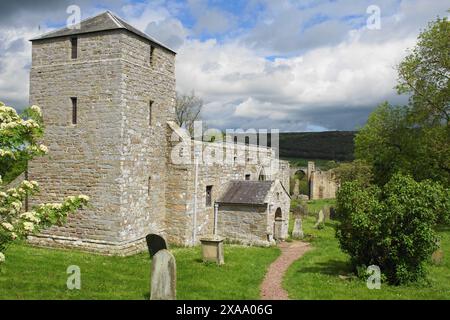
(316, 274)
(36, 273)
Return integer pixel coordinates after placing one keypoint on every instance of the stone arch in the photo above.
(278, 224)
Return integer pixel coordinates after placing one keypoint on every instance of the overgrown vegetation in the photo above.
(391, 227)
(325, 272)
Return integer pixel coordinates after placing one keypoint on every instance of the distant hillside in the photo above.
(330, 145)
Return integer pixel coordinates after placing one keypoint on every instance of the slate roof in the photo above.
(102, 22)
(246, 192)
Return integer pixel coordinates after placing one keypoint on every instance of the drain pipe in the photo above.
(194, 216)
(216, 212)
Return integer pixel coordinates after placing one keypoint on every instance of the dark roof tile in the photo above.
(102, 22)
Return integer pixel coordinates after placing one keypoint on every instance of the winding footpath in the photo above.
(271, 288)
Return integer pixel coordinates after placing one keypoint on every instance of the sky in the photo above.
(305, 65)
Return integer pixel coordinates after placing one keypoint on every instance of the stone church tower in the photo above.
(106, 91)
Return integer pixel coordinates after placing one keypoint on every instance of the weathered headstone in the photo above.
(297, 232)
(164, 276)
(296, 189)
(155, 243)
(320, 219)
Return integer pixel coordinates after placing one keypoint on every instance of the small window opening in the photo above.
(74, 44)
(208, 196)
(150, 111)
(74, 110)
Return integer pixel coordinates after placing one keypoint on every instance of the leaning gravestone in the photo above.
(164, 270)
(297, 232)
(320, 219)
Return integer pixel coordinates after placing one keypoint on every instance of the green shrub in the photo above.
(392, 226)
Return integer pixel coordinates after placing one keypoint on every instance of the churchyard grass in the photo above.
(36, 273)
(316, 274)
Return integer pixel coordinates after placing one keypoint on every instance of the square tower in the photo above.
(106, 91)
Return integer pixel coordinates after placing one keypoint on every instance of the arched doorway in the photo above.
(278, 224)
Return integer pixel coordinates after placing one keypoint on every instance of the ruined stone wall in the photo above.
(322, 185)
(246, 224)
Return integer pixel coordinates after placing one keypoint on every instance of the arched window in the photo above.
(278, 214)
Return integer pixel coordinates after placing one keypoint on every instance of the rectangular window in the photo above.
(74, 43)
(208, 196)
(150, 111)
(74, 110)
(152, 54)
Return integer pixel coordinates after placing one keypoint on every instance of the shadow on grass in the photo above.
(330, 267)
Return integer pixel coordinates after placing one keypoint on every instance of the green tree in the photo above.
(414, 139)
(391, 226)
(425, 74)
(358, 171)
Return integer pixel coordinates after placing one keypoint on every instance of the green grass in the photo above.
(36, 273)
(316, 274)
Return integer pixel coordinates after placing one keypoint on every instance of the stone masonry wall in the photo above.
(322, 185)
(246, 224)
(107, 154)
(144, 168)
(212, 171)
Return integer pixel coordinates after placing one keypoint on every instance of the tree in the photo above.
(391, 226)
(19, 136)
(187, 110)
(425, 74)
(414, 139)
(358, 171)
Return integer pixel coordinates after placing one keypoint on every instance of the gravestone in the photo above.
(326, 212)
(297, 232)
(320, 219)
(164, 276)
(296, 189)
(155, 243)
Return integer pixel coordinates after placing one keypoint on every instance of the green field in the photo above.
(316, 274)
(36, 273)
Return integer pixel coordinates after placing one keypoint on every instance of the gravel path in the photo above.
(271, 288)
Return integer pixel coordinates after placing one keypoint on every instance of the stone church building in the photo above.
(107, 93)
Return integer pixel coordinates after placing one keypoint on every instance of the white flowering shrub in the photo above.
(19, 136)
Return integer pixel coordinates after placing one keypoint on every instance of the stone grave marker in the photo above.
(155, 243)
(320, 219)
(164, 276)
(297, 232)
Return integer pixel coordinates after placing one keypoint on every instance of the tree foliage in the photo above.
(391, 226)
(414, 139)
(19, 136)
(358, 171)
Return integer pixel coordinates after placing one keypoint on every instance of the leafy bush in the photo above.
(392, 226)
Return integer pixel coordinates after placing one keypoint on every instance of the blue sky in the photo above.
(305, 65)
